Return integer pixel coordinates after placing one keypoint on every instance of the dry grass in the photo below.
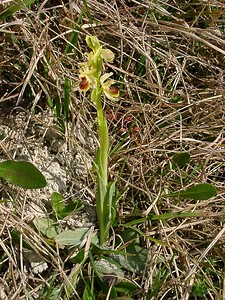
(170, 67)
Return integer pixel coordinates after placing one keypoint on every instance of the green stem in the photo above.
(104, 144)
(102, 205)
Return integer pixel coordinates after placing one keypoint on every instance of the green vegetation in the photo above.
(112, 150)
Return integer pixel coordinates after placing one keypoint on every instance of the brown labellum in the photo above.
(113, 90)
(84, 84)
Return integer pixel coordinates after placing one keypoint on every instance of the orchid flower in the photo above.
(110, 90)
(90, 72)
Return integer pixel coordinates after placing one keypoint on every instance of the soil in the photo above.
(66, 167)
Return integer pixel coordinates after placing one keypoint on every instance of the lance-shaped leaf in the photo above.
(9, 10)
(202, 191)
(23, 174)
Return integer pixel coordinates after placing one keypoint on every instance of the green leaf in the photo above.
(202, 191)
(79, 257)
(46, 226)
(71, 237)
(199, 290)
(107, 267)
(57, 202)
(23, 174)
(63, 210)
(135, 256)
(88, 294)
(181, 159)
(9, 10)
(160, 277)
(115, 198)
(67, 97)
(127, 288)
(107, 217)
(75, 34)
(50, 102)
(135, 260)
(71, 208)
(129, 235)
(15, 234)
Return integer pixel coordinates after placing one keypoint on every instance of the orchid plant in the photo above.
(92, 77)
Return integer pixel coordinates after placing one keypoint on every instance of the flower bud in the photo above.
(92, 42)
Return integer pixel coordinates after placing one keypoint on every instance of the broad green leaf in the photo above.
(136, 256)
(202, 191)
(9, 10)
(79, 257)
(57, 202)
(106, 267)
(129, 234)
(70, 208)
(23, 174)
(181, 159)
(46, 226)
(71, 237)
(135, 260)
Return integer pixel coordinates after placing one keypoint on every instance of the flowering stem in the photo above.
(102, 205)
(104, 144)
(91, 75)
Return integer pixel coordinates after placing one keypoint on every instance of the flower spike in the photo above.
(91, 77)
(90, 73)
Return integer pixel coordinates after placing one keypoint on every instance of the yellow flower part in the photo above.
(86, 77)
(108, 55)
(110, 90)
(90, 71)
